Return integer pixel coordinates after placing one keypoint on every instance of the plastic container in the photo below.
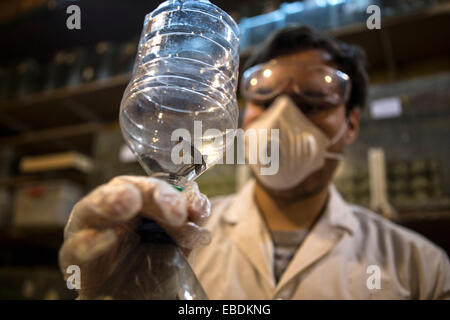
(186, 70)
(29, 78)
(59, 70)
(185, 74)
(256, 29)
(45, 204)
(105, 58)
(126, 57)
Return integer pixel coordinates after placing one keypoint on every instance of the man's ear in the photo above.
(353, 119)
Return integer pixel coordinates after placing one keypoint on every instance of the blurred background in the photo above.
(60, 92)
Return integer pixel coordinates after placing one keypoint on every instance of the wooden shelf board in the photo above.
(90, 102)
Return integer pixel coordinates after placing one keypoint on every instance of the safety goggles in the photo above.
(315, 84)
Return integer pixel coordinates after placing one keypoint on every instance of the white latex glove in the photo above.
(101, 231)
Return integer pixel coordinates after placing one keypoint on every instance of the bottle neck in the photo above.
(151, 232)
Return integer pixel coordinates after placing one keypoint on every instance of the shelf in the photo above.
(67, 112)
(45, 30)
(98, 102)
(32, 235)
(11, 19)
(414, 44)
(91, 102)
(56, 162)
(30, 246)
(23, 180)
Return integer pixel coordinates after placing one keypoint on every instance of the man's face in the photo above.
(329, 121)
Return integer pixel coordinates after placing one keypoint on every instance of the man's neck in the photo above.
(290, 215)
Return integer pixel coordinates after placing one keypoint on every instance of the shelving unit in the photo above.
(406, 46)
(30, 246)
(75, 115)
(80, 110)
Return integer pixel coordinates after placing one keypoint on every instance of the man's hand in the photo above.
(101, 231)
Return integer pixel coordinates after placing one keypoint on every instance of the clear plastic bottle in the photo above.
(186, 71)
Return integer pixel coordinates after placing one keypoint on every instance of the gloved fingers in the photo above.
(189, 235)
(104, 207)
(199, 207)
(160, 201)
(86, 246)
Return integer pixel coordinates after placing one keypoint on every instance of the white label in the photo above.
(386, 108)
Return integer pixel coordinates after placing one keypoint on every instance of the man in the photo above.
(284, 236)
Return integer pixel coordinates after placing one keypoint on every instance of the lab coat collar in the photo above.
(337, 220)
(242, 203)
(338, 212)
(341, 215)
(248, 231)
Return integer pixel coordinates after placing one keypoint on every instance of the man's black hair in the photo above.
(350, 59)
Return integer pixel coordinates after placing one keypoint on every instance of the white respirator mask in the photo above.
(302, 145)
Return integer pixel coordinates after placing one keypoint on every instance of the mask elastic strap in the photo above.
(339, 134)
(332, 155)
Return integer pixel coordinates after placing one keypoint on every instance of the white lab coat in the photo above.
(333, 262)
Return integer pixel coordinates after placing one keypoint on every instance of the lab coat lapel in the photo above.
(336, 220)
(249, 233)
(316, 245)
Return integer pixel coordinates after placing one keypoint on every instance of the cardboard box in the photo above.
(45, 204)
